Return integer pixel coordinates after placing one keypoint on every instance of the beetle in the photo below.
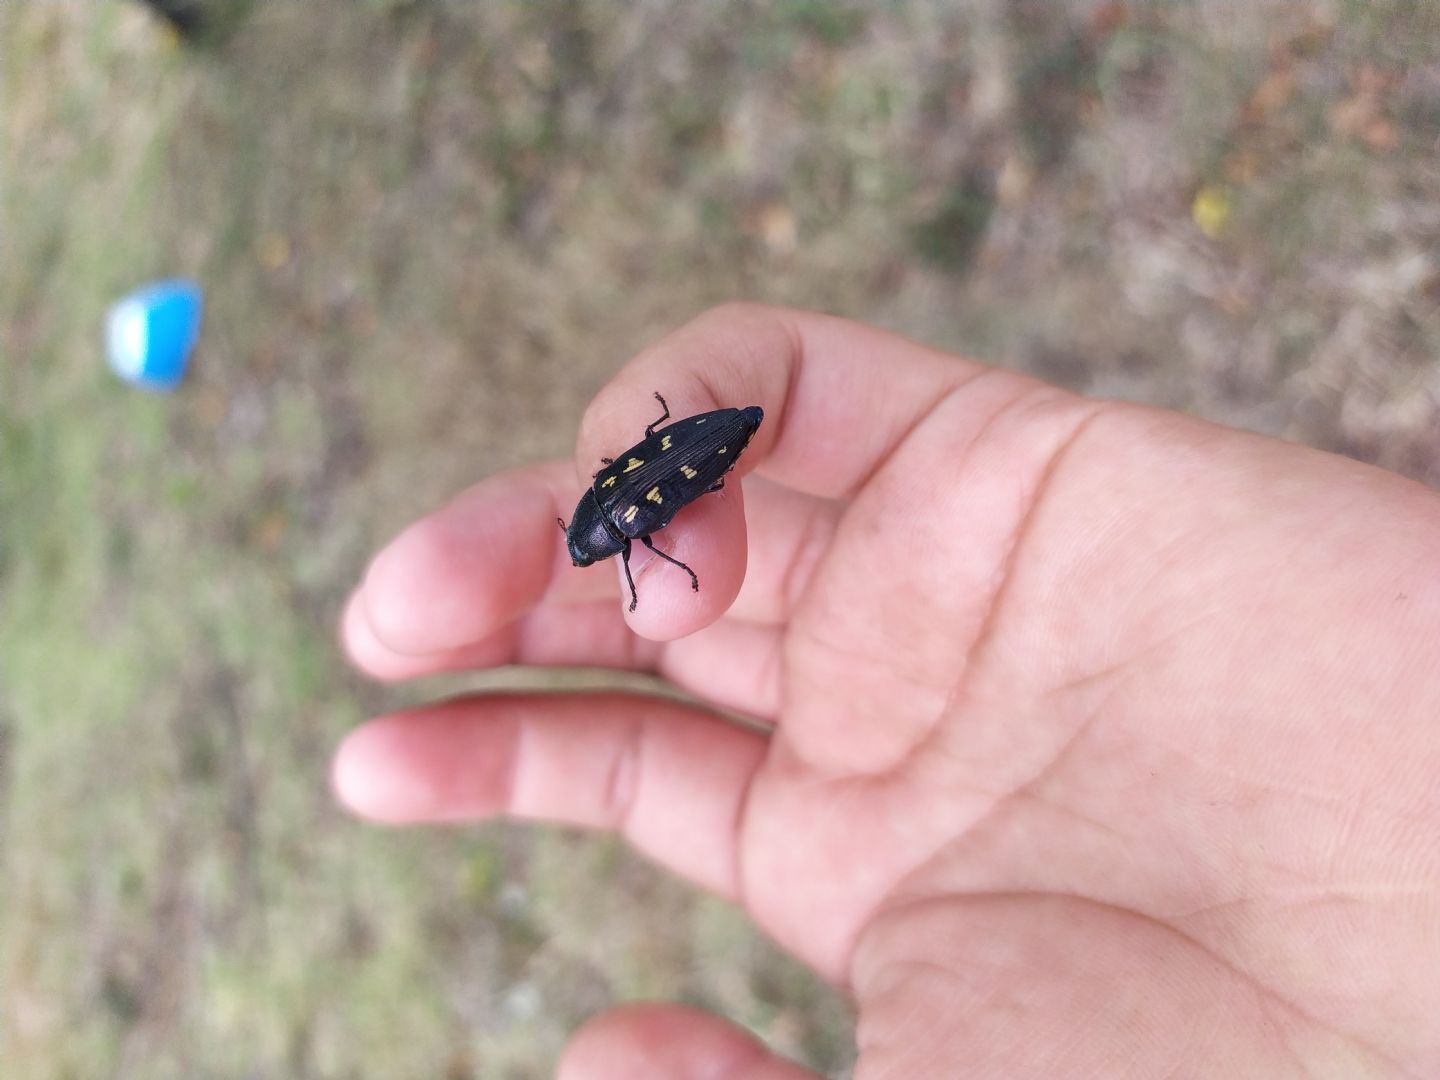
(638, 493)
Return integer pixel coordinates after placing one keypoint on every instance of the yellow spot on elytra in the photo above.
(722, 450)
(609, 482)
(690, 473)
(665, 443)
(654, 495)
(633, 464)
(702, 420)
(630, 514)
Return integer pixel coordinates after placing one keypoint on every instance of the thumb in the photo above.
(669, 1042)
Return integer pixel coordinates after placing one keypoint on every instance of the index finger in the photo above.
(838, 396)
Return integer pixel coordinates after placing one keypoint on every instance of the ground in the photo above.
(428, 232)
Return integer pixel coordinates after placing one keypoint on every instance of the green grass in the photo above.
(428, 232)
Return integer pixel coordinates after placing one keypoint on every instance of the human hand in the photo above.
(1106, 741)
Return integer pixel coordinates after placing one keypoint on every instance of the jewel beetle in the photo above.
(639, 492)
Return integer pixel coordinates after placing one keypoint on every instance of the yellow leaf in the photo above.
(1211, 209)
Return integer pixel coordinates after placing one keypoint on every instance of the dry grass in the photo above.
(429, 232)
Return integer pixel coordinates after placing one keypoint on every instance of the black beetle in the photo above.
(639, 492)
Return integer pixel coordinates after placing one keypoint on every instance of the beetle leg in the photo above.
(719, 485)
(694, 581)
(650, 428)
(625, 558)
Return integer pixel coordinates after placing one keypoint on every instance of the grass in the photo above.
(428, 232)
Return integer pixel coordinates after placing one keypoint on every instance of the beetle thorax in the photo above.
(587, 536)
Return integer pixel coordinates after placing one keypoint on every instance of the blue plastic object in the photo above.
(150, 333)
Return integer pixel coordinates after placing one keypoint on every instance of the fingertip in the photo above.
(363, 778)
(457, 575)
(709, 536)
(369, 654)
(362, 647)
(428, 765)
(650, 1041)
(413, 595)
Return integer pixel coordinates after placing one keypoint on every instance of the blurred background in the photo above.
(428, 232)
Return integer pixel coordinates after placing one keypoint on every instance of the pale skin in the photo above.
(1106, 741)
